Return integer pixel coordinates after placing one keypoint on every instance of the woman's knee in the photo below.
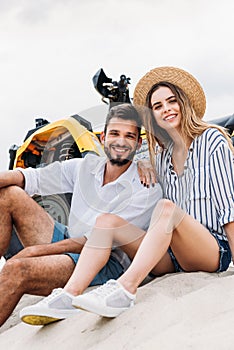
(164, 209)
(165, 214)
(109, 221)
(103, 233)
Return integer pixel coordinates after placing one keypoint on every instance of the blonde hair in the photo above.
(191, 125)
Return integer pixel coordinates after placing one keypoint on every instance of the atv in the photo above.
(64, 139)
(73, 138)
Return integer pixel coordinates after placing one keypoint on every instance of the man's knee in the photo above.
(16, 270)
(9, 194)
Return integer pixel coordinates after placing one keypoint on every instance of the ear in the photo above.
(139, 143)
(102, 137)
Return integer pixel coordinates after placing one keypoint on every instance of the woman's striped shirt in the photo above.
(205, 190)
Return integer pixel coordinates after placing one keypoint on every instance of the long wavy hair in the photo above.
(191, 125)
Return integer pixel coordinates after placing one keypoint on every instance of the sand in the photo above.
(176, 311)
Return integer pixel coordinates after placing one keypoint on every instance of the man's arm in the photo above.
(12, 177)
(56, 177)
(72, 245)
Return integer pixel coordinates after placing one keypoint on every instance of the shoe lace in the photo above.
(106, 289)
(47, 299)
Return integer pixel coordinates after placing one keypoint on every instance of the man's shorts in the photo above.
(113, 269)
(224, 260)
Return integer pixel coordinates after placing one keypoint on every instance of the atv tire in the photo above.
(58, 206)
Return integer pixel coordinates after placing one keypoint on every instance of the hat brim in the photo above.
(176, 76)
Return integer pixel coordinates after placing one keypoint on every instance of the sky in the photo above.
(50, 50)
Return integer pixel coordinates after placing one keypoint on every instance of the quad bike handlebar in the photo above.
(114, 91)
(118, 92)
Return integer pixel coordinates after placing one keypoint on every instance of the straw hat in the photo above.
(176, 76)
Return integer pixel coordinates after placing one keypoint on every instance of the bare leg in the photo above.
(193, 245)
(37, 276)
(91, 261)
(108, 229)
(33, 224)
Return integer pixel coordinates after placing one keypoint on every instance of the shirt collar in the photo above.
(98, 171)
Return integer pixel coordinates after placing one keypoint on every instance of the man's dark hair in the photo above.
(124, 111)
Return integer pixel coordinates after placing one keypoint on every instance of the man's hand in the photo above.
(146, 172)
(72, 245)
(29, 252)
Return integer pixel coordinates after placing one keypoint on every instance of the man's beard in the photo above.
(119, 161)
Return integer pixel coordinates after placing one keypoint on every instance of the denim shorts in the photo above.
(224, 253)
(112, 270)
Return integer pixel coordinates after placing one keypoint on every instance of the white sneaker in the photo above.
(109, 300)
(57, 306)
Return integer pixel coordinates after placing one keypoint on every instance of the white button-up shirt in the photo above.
(125, 197)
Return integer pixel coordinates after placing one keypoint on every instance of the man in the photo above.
(99, 185)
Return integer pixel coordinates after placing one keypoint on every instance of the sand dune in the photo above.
(178, 311)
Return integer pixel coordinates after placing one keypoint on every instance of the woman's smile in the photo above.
(170, 117)
(166, 108)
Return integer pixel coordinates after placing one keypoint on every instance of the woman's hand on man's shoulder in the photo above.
(146, 172)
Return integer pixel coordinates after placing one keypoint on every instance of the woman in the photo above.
(192, 228)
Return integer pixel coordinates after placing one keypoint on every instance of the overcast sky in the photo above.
(50, 50)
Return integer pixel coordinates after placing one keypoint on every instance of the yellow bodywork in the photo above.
(44, 138)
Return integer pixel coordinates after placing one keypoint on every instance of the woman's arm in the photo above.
(229, 229)
(222, 188)
(146, 172)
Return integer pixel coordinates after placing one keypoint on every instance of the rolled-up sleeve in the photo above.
(222, 182)
(57, 177)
